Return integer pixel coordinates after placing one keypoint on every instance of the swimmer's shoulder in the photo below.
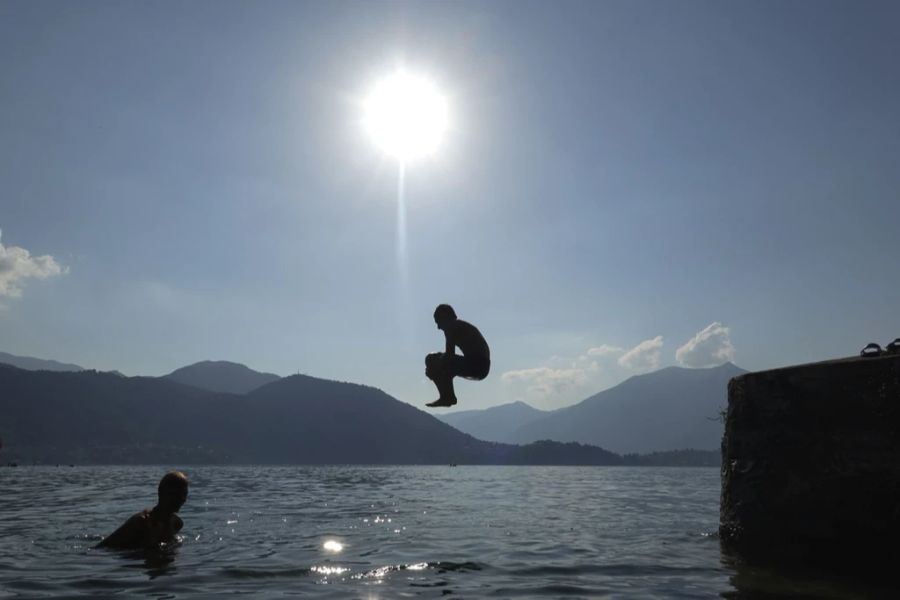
(130, 534)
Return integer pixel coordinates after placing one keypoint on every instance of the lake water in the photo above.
(385, 532)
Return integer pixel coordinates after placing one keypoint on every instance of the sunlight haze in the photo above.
(603, 188)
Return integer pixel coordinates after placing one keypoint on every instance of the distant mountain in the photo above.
(677, 458)
(669, 409)
(221, 376)
(94, 417)
(36, 364)
(495, 424)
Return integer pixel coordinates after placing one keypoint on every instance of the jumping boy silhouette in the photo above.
(442, 367)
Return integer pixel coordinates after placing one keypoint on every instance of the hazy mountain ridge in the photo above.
(669, 409)
(221, 376)
(89, 416)
(37, 364)
(496, 424)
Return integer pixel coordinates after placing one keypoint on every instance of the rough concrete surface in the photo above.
(811, 462)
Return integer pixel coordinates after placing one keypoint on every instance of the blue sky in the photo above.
(625, 185)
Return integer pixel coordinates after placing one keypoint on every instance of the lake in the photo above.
(385, 532)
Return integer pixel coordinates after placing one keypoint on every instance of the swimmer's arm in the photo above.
(177, 523)
(126, 536)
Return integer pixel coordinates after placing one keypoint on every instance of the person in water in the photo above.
(151, 527)
(442, 367)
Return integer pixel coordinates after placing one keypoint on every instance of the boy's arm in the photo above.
(450, 345)
(126, 536)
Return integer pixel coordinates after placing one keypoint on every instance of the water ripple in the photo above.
(379, 532)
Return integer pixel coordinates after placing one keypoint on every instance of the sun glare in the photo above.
(406, 116)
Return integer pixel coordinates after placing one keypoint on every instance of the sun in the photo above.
(406, 116)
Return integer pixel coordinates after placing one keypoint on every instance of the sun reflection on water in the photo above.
(381, 572)
(328, 570)
(333, 546)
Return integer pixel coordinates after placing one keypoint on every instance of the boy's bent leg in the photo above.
(475, 368)
(436, 370)
(446, 395)
(434, 365)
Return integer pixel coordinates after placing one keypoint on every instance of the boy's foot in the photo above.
(442, 402)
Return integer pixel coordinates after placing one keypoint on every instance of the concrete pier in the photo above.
(811, 463)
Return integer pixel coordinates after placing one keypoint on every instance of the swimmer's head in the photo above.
(444, 315)
(173, 490)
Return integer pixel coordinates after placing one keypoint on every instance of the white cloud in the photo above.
(710, 347)
(643, 357)
(605, 351)
(563, 380)
(547, 381)
(17, 264)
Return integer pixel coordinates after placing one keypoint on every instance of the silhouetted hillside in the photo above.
(307, 419)
(661, 411)
(497, 424)
(547, 452)
(221, 376)
(36, 364)
(676, 458)
(89, 416)
(104, 418)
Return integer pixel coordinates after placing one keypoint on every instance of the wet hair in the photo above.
(444, 311)
(172, 481)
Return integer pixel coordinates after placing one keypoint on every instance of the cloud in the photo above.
(605, 351)
(17, 265)
(643, 357)
(561, 380)
(710, 347)
(547, 381)
(562, 375)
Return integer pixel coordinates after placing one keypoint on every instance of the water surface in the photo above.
(384, 532)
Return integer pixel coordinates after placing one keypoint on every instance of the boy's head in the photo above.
(173, 490)
(444, 315)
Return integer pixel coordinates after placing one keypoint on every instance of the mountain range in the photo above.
(36, 364)
(221, 376)
(95, 417)
(497, 424)
(220, 411)
(668, 409)
(212, 375)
